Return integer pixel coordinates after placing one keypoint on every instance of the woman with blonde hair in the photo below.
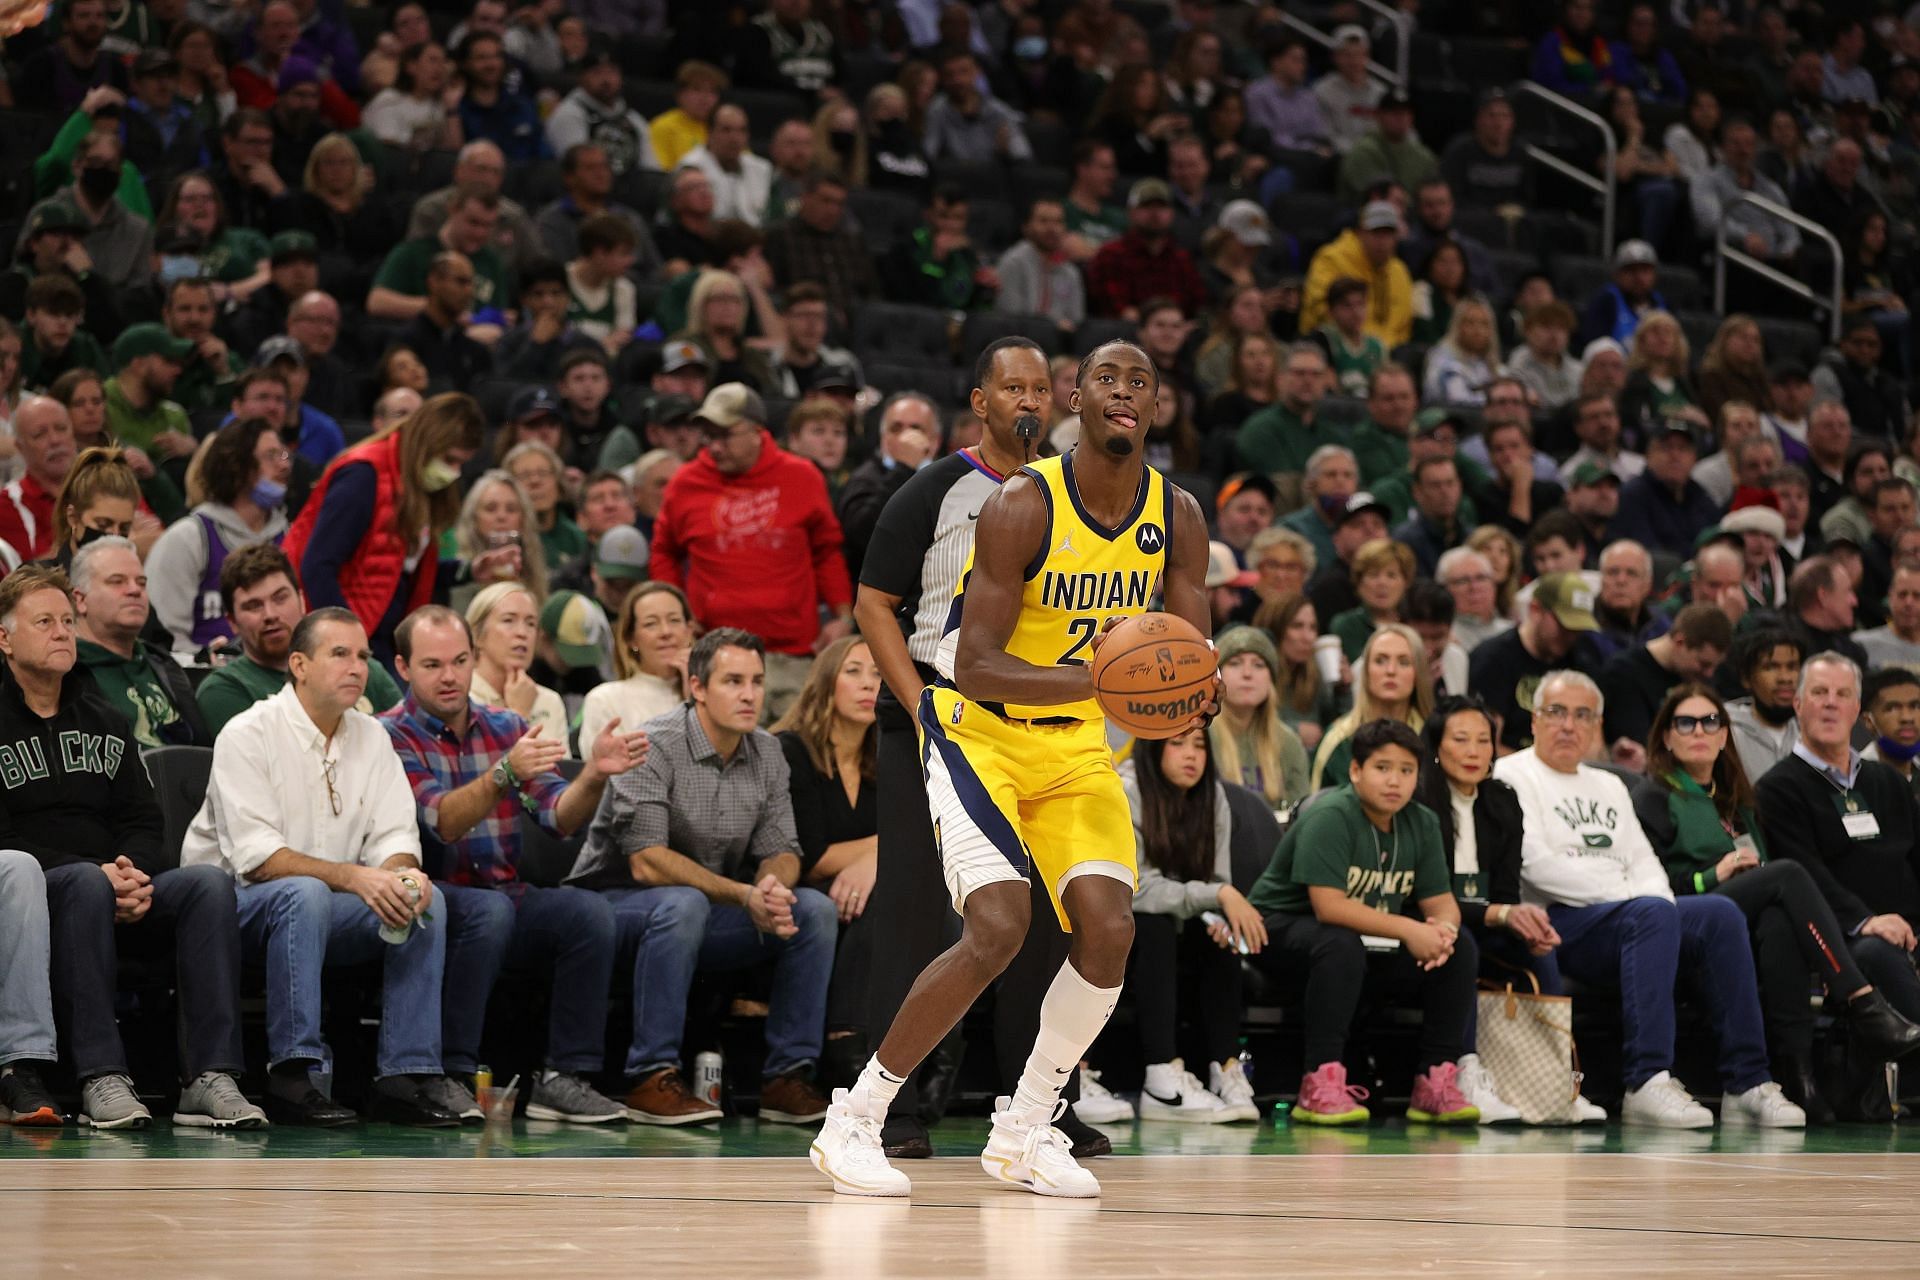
(100, 499)
(1391, 684)
(505, 619)
(717, 324)
(1253, 382)
(1252, 745)
(652, 637)
(1242, 311)
(1734, 366)
(1307, 703)
(498, 516)
(839, 144)
(333, 204)
(1502, 551)
(890, 135)
(1657, 384)
(1462, 364)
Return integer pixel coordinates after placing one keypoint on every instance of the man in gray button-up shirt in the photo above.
(697, 852)
(1749, 228)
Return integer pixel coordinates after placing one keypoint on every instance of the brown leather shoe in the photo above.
(791, 1099)
(663, 1098)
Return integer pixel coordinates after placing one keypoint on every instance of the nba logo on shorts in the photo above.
(958, 707)
(1149, 538)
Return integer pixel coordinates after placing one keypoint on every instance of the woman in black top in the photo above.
(832, 749)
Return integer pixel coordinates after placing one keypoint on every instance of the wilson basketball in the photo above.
(1153, 674)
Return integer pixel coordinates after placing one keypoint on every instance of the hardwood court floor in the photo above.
(1195, 1202)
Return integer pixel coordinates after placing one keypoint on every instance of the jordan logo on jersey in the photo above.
(1066, 546)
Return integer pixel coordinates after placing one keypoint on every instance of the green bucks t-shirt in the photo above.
(1334, 846)
(130, 687)
(241, 683)
(1353, 366)
(405, 271)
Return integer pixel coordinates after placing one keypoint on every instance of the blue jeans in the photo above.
(677, 932)
(297, 926)
(26, 985)
(524, 928)
(1638, 946)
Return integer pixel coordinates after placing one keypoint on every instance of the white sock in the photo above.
(879, 1085)
(1071, 1018)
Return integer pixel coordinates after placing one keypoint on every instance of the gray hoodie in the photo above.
(1761, 746)
(1181, 899)
(177, 565)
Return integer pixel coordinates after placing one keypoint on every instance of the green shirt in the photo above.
(1334, 846)
(236, 255)
(405, 272)
(138, 427)
(242, 682)
(564, 543)
(1353, 366)
(1277, 440)
(131, 688)
(1108, 224)
(1395, 493)
(38, 371)
(1380, 453)
(1354, 627)
(201, 386)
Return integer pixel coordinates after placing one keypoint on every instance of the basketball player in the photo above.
(907, 585)
(1019, 774)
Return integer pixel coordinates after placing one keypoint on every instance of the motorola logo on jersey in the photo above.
(1149, 538)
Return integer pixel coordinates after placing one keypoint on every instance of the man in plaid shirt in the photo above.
(472, 768)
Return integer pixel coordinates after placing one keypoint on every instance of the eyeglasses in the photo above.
(1469, 579)
(1557, 713)
(275, 455)
(1708, 723)
(327, 768)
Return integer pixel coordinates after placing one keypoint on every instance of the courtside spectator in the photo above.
(503, 621)
(1250, 742)
(1637, 679)
(1506, 669)
(29, 517)
(139, 681)
(653, 632)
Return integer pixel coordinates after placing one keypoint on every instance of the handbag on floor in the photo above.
(1526, 1045)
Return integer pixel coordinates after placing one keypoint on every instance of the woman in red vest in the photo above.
(368, 538)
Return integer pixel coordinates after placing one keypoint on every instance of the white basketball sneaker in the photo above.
(1765, 1105)
(1026, 1150)
(1172, 1092)
(848, 1151)
(1477, 1083)
(1099, 1104)
(1228, 1082)
(1664, 1103)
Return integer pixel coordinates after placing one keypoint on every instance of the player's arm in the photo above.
(874, 610)
(1011, 531)
(1186, 585)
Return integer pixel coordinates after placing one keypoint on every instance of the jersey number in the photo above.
(1084, 629)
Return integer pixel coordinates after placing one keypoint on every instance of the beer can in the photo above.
(707, 1070)
(397, 935)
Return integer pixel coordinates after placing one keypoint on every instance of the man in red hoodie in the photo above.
(747, 530)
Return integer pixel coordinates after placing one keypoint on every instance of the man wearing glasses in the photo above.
(309, 809)
(747, 530)
(1586, 859)
(1468, 577)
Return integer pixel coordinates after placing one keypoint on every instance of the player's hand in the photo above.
(1100, 636)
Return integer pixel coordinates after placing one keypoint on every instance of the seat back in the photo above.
(180, 776)
(545, 859)
(1254, 836)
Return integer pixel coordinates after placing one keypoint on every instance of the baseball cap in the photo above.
(1491, 95)
(1149, 191)
(599, 54)
(1379, 216)
(1348, 33)
(155, 62)
(1568, 598)
(279, 347)
(1225, 571)
(578, 628)
(1635, 253)
(532, 402)
(676, 356)
(1429, 421)
(56, 215)
(1669, 428)
(1786, 371)
(1592, 473)
(1246, 222)
(1239, 484)
(622, 553)
(292, 244)
(297, 70)
(1361, 503)
(730, 404)
(149, 340)
(834, 376)
(671, 410)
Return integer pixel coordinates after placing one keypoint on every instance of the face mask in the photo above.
(437, 475)
(178, 266)
(99, 183)
(91, 535)
(1331, 504)
(267, 494)
(1894, 752)
(1030, 48)
(843, 140)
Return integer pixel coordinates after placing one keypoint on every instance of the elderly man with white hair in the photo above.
(1468, 576)
(480, 164)
(1331, 477)
(1626, 583)
(1585, 858)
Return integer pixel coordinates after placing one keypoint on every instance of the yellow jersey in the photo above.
(1085, 576)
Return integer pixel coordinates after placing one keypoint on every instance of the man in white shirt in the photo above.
(309, 809)
(1585, 858)
(742, 182)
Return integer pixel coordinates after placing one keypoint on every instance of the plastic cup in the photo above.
(1326, 656)
(497, 1101)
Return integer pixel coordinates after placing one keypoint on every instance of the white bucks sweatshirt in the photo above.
(1582, 844)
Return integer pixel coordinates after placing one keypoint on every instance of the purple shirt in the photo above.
(1292, 116)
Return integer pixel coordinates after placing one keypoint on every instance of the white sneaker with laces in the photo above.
(1664, 1103)
(1099, 1104)
(1229, 1083)
(1765, 1105)
(1172, 1092)
(848, 1151)
(1585, 1112)
(1476, 1082)
(1026, 1150)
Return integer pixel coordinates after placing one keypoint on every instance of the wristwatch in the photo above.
(503, 776)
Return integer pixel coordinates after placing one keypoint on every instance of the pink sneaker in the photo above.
(1327, 1098)
(1437, 1098)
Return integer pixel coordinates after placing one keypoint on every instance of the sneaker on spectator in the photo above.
(848, 1151)
(452, 1093)
(663, 1098)
(1765, 1105)
(1327, 1098)
(214, 1101)
(1099, 1104)
(558, 1095)
(25, 1101)
(108, 1102)
(790, 1098)
(1664, 1103)
(1586, 1112)
(1228, 1082)
(1172, 1092)
(1437, 1097)
(1026, 1150)
(1477, 1083)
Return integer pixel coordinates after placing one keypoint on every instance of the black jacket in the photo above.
(861, 502)
(1496, 833)
(73, 788)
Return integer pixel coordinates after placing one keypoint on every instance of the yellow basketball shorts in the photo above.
(1011, 796)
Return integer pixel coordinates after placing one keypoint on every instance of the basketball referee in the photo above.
(907, 585)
